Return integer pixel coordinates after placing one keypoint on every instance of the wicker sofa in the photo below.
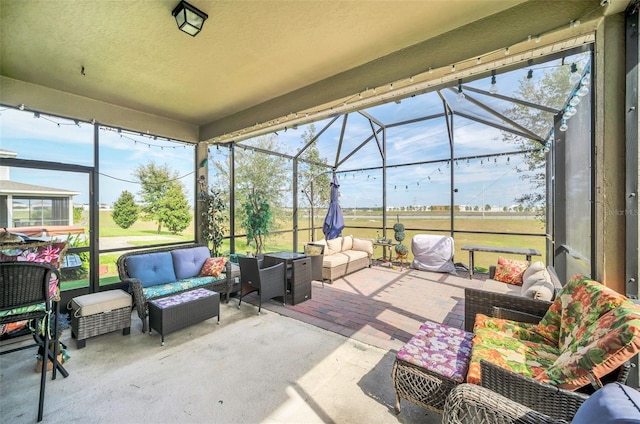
(344, 255)
(538, 282)
(546, 367)
(156, 273)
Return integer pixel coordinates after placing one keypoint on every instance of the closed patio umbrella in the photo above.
(333, 222)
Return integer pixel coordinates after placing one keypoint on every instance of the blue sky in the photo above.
(492, 180)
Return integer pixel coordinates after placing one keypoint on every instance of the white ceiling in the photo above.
(249, 54)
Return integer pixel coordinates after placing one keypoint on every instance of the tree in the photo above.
(163, 198)
(487, 207)
(257, 219)
(173, 209)
(552, 91)
(214, 217)
(125, 211)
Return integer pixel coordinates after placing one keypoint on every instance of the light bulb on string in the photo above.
(529, 80)
(575, 76)
(493, 89)
(574, 101)
(586, 79)
(582, 91)
(563, 125)
(461, 95)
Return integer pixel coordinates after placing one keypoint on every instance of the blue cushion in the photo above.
(188, 262)
(151, 268)
(614, 403)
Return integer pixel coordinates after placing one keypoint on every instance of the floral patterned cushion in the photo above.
(439, 348)
(212, 267)
(580, 302)
(51, 253)
(182, 285)
(181, 298)
(510, 271)
(599, 348)
(511, 345)
(589, 329)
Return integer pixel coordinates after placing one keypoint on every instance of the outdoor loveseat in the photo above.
(549, 365)
(158, 273)
(344, 255)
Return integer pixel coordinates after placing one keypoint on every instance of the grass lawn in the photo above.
(365, 224)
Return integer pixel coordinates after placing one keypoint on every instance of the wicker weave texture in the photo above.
(176, 317)
(471, 404)
(105, 322)
(482, 302)
(225, 286)
(420, 386)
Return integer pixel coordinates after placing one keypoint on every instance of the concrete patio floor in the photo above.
(325, 360)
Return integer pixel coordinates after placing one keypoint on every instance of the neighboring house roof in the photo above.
(16, 188)
(4, 153)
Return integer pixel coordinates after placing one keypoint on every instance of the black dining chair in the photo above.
(316, 253)
(268, 281)
(24, 295)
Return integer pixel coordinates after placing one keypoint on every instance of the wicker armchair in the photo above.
(507, 397)
(269, 282)
(516, 308)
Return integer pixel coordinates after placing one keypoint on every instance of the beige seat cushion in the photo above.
(95, 303)
(500, 287)
(337, 259)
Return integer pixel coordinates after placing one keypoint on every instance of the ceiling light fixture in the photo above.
(189, 18)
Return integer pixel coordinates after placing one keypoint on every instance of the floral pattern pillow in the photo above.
(510, 271)
(212, 267)
(510, 345)
(46, 252)
(439, 348)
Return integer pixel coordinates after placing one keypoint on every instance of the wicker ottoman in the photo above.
(430, 365)
(175, 312)
(100, 313)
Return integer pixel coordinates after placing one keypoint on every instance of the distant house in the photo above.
(28, 205)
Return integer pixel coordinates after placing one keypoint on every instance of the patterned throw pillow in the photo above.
(212, 267)
(51, 253)
(510, 271)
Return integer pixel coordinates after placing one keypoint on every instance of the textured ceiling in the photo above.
(248, 52)
(253, 61)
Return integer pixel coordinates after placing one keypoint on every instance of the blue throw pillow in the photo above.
(151, 269)
(615, 403)
(188, 262)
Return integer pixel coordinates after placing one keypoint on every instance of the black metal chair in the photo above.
(26, 284)
(316, 253)
(268, 281)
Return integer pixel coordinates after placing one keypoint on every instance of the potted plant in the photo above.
(401, 250)
(214, 217)
(257, 219)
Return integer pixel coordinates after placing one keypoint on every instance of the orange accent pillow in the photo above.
(212, 267)
(510, 271)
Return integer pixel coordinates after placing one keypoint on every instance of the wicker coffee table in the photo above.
(430, 365)
(176, 312)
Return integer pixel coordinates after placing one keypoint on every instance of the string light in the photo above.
(494, 87)
(575, 76)
(461, 95)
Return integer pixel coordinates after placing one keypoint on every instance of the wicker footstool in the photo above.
(430, 365)
(100, 313)
(175, 312)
